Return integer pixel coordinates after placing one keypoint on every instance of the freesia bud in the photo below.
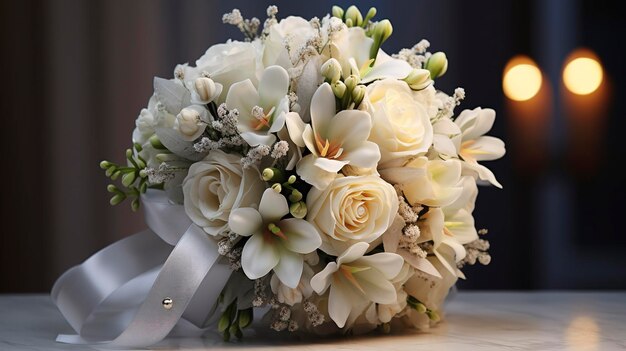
(370, 14)
(156, 143)
(352, 81)
(298, 210)
(205, 87)
(339, 88)
(295, 196)
(337, 12)
(384, 30)
(433, 316)
(188, 121)
(437, 64)
(354, 14)
(277, 187)
(331, 70)
(268, 174)
(358, 94)
(418, 79)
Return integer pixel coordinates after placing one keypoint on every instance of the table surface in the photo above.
(475, 321)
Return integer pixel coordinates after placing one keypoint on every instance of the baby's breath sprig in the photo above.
(134, 179)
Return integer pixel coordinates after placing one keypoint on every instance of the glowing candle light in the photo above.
(522, 79)
(583, 73)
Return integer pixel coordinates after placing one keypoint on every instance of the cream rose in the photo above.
(401, 126)
(217, 185)
(350, 210)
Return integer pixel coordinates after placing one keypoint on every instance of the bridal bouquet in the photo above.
(335, 182)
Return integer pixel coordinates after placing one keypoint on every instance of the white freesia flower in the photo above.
(356, 280)
(351, 48)
(292, 296)
(261, 111)
(383, 313)
(227, 64)
(145, 122)
(351, 210)
(217, 185)
(401, 126)
(473, 146)
(274, 244)
(444, 131)
(427, 182)
(434, 227)
(335, 139)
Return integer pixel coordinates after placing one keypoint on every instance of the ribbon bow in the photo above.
(135, 291)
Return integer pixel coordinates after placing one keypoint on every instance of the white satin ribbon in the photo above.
(115, 298)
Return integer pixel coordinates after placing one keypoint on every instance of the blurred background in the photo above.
(76, 74)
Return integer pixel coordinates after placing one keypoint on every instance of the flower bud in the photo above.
(337, 12)
(188, 121)
(383, 30)
(418, 79)
(156, 143)
(331, 70)
(245, 318)
(277, 187)
(352, 81)
(298, 210)
(205, 88)
(295, 196)
(437, 64)
(292, 179)
(370, 14)
(268, 174)
(339, 89)
(128, 179)
(353, 13)
(117, 198)
(358, 94)
(433, 316)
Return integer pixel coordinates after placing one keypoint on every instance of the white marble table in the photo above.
(476, 321)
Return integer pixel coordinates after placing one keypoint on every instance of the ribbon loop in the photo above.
(116, 297)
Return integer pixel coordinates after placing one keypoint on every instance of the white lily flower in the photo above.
(274, 244)
(427, 182)
(261, 111)
(473, 146)
(334, 139)
(356, 280)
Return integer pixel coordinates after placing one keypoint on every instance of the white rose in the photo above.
(290, 296)
(229, 63)
(351, 210)
(217, 185)
(428, 99)
(401, 126)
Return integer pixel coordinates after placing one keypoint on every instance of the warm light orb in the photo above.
(522, 79)
(582, 75)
